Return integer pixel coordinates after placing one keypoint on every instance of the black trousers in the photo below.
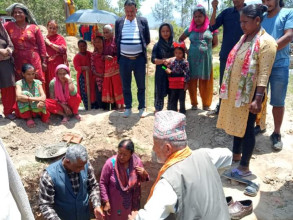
(245, 145)
(176, 95)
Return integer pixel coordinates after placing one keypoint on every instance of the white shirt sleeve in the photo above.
(161, 204)
(220, 157)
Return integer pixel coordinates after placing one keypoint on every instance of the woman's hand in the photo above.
(108, 57)
(255, 106)
(67, 78)
(47, 41)
(67, 110)
(85, 68)
(141, 171)
(185, 86)
(159, 61)
(107, 208)
(41, 104)
(44, 66)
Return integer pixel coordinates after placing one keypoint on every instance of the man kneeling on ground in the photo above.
(188, 185)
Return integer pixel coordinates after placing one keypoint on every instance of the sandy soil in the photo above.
(102, 132)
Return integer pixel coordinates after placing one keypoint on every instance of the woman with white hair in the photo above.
(112, 86)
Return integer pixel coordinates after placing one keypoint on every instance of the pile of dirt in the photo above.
(102, 131)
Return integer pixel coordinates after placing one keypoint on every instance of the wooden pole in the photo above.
(88, 90)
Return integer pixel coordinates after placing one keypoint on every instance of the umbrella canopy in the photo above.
(92, 16)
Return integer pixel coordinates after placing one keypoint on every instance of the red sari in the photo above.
(55, 57)
(112, 86)
(84, 60)
(29, 47)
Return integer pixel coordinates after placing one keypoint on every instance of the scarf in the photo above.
(205, 25)
(29, 16)
(60, 95)
(173, 159)
(129, 182)
(248, 71)
(166, 48)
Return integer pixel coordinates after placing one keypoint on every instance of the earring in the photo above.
(257, 23)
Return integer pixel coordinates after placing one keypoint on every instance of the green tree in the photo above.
(177, 30)
(120, 9)
(185, 8)
(289, 3)
(163, 11)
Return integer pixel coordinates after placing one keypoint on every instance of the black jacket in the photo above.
(144, 33)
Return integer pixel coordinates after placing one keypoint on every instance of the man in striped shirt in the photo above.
(132, 37)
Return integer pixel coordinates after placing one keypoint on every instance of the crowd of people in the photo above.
(35, 80)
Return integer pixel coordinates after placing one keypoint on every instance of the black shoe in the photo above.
(257, 130)
(277, 142)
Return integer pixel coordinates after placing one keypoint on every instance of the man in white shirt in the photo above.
(132, 36)
(188, 185)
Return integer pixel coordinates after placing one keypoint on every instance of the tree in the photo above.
(163, 10)
(289, 3)
(185, 8)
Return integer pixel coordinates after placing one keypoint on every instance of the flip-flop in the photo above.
(251, 189)
(30, 123)
(77, 116)
(11, 117)
(240, 173)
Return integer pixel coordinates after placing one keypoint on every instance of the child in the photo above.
(98, 70)
(178, 76)
(162, 50)
(82, 63)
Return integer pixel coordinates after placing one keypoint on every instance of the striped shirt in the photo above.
(130, 45)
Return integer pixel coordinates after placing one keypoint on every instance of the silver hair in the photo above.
(108, 27)
(76, 152)
(174, 144)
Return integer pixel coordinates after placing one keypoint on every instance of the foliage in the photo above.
(288, 3)
(162, 11)
(177, 30)
(185, 8)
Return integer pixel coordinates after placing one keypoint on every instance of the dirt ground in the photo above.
(102, 132)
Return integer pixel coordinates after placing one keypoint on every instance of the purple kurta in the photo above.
(110, 191)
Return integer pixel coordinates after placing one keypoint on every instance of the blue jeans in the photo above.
(279, 82)
(126, 66)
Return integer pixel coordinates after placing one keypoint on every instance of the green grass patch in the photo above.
(216, 68)
(149, 93)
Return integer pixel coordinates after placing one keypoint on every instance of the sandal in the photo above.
(237, 172)
(30, 123)
(65, 120)
(11, 117)
(77, 116)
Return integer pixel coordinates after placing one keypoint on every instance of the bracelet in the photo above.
(259, 94)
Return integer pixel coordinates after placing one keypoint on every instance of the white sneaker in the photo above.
(127, 112)
(142, 113)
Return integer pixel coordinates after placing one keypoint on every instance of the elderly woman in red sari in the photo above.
(7, 75)
(29, 45)
(30, 97)
(112, 86)
(64, 99)
(56, 50)
(120, 182)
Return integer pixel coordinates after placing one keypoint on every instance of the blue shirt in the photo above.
(230, 19)
(276, 26)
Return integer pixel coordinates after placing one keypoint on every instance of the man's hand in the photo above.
(215, 4)
(133, 215)
(4, 52)
(255, 106)
(99, 214)
(141, 171)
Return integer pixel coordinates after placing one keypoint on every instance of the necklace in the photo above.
(244, 47)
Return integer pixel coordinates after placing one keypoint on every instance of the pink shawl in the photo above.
(203, 28)
(60, 95)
